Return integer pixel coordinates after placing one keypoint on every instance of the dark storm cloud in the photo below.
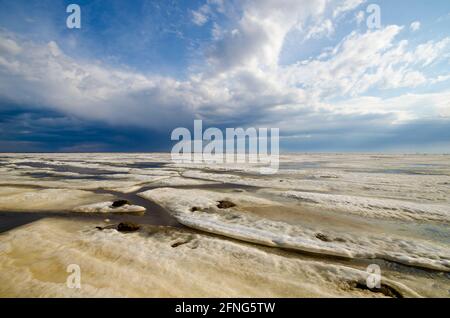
(25, 129)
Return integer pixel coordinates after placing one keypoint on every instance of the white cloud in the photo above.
(440, 78)
(201, 16)
(429, 52)
(43, 75)
(359, 17)
(54, 49)
(256, 39)
(8, 46)
(346, 5)
(415, 26)
(241, 81)
(326, 28)
(364, 61)
(406, 107)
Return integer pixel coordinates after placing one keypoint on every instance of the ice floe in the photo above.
(32, 199)
(165, 262)
(107, 207)
(365, 207)
(372, 207)
(199, 209)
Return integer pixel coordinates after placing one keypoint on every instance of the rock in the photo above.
(99, 228)
(176, 244)
(232, 217)
(194, 209)
(329, 177)
(323, 237)
(127, 227)
(225, 204)
(181, 241)
(119, 203)
(384, 289)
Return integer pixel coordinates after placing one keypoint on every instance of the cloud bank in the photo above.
(368, 81)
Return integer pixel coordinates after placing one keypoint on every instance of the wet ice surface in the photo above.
(165, 262)
(201, 209)
(392, 210)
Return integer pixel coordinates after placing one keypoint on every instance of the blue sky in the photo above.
(138, 69)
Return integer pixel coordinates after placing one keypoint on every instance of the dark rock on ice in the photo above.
(225, 204)
(127, 227)
(323, 237)
(119, 203)
(384, 289)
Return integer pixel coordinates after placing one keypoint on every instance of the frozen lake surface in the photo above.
(309, 230)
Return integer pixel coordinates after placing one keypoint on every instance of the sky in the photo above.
(321, 71)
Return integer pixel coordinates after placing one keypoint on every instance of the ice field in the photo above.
(225, 230)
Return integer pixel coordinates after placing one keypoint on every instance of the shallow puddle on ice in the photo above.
(154, 215)
(68, 168)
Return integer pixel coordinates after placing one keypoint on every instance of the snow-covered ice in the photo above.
(199, 209)
(392, 210)
(165, 262)
(107, 207)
